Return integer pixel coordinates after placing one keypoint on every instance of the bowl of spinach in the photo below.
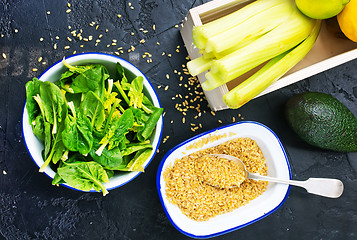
(92, 122)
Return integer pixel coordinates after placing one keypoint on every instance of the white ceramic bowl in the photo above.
(35, 146)
(262, 206)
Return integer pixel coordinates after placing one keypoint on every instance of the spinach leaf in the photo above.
(90, 77)
(134, 148)
(53, 104)
(65, 81)
(32, 89)
(57, 149)
(124, 81)
(117, 130)
(109, 159)
(139, 120)
(122, 84)
(135, 92)
(110, 173)
(57, 179)
(48, 139)
(39, 128)
(93, 108)
(136, 164)
(77, 133)
(150, 124)
(84, 176)
(54, 110)
(74, 158)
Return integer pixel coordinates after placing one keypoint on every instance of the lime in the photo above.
(321, 9)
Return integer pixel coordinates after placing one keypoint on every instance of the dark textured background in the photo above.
(31, 208)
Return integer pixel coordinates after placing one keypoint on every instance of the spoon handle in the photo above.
(326, 187)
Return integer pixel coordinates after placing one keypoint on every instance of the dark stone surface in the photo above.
(31, 208)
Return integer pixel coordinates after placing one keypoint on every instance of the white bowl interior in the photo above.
(35, 146)
(269, 201)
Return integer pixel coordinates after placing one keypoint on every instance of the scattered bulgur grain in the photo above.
(4, 55)
(39, 59)
(34, 69)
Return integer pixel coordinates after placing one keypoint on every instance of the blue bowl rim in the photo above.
(160, 168)
(161, 130)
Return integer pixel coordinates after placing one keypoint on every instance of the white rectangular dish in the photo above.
(275, 195)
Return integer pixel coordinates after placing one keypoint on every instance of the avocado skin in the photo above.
(322, 121)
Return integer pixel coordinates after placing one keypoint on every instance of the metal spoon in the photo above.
(326, 187)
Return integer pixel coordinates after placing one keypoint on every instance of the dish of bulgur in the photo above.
(200, 201)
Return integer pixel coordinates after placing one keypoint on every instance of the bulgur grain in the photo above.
(200, 201)
(219, 172)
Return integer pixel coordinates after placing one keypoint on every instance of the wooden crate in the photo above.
(332, 48)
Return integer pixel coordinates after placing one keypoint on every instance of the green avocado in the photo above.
(322, 121)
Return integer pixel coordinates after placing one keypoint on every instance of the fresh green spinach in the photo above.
(91, 126)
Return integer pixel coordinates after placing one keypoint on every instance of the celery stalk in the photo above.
(271, 72)
(258, 24)
(200, 34)
(245, 42)
(207, 55)
(199, 65)
(282, 38)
